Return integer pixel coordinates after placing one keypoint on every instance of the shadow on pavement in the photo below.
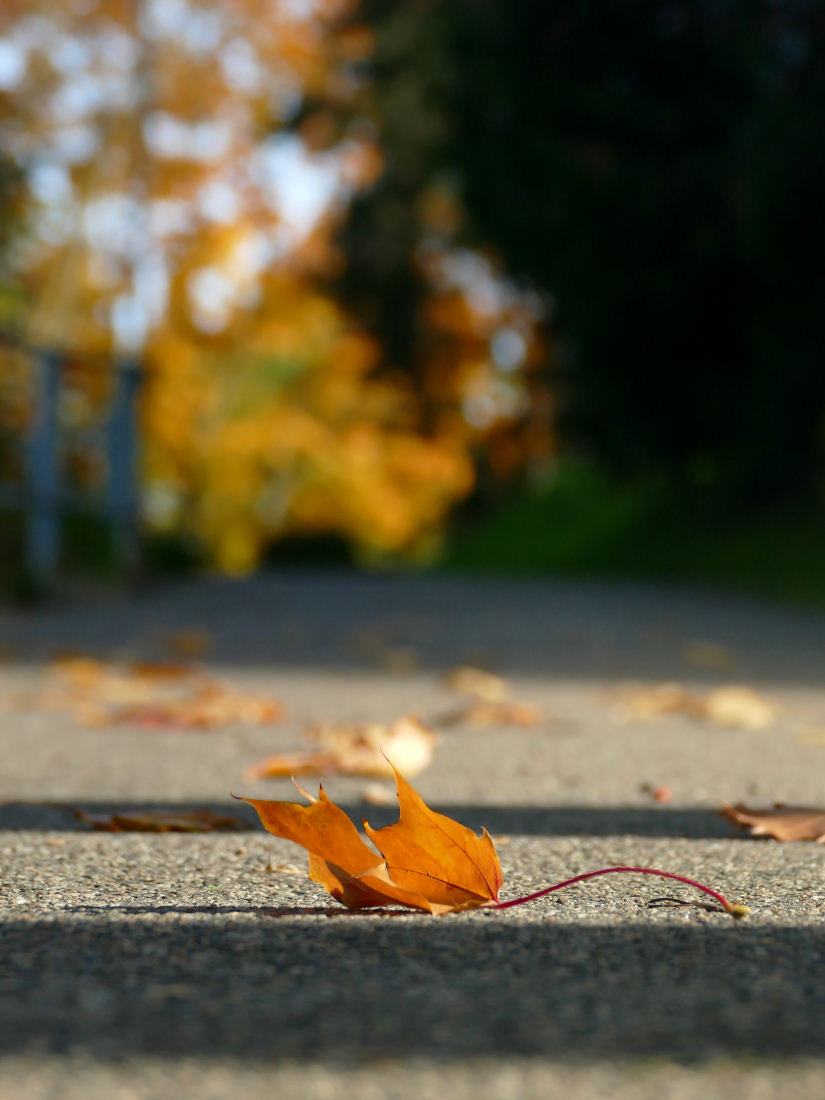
(658, 821)
(359, 990)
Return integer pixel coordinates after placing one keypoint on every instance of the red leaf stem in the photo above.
(736, 911)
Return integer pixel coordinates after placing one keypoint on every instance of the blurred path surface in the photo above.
(143, 965)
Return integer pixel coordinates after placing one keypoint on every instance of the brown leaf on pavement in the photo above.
(152, 694)
(645, 703)
(483, 685)
(484, 715)
(781, 822)
(730, 706)
(427, 860)
(738, 708)
(490, 703)
(355, 749)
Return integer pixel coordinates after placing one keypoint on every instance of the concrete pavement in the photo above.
(137, 965)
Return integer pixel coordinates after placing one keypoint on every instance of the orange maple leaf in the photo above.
(430, 861)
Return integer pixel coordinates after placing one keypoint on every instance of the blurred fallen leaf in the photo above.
(427, 861)
(710, 656)
(484, 715)
(732, 706)
(486, 686)
(781, 822)
(645, 703)
(738, 708)
(147, 821)
(490, 703)
(355, 749)
(152, 694)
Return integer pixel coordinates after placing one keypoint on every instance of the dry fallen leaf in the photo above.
(153, 694)
(355, 749)
(731, 706)
(429, 862)
(645, 703)
(781, 822)
(490, 703)
(147, 821)
(484, 715)
(738, 708)
(486, 686)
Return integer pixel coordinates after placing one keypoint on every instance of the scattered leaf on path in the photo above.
(152, 694)
(468, 680)
(781, 822)
(484, 715)
(644, 703)
(490, 703)
(355, 749)
(730, 706)
(738, 708)
(427, 861)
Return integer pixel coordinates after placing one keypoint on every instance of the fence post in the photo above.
(42, 538)
(122, 446)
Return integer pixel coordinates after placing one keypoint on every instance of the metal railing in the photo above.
(43, 498)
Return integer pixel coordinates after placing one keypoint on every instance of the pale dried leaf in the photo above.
(645, 703)
(738, 708)
(484, 715)
(356, 749)
(152, 694)
(730, 706)
(482, 685)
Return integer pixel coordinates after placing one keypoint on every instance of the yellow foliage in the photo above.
(172, 236)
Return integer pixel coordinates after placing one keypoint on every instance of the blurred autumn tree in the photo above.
(186, 168)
